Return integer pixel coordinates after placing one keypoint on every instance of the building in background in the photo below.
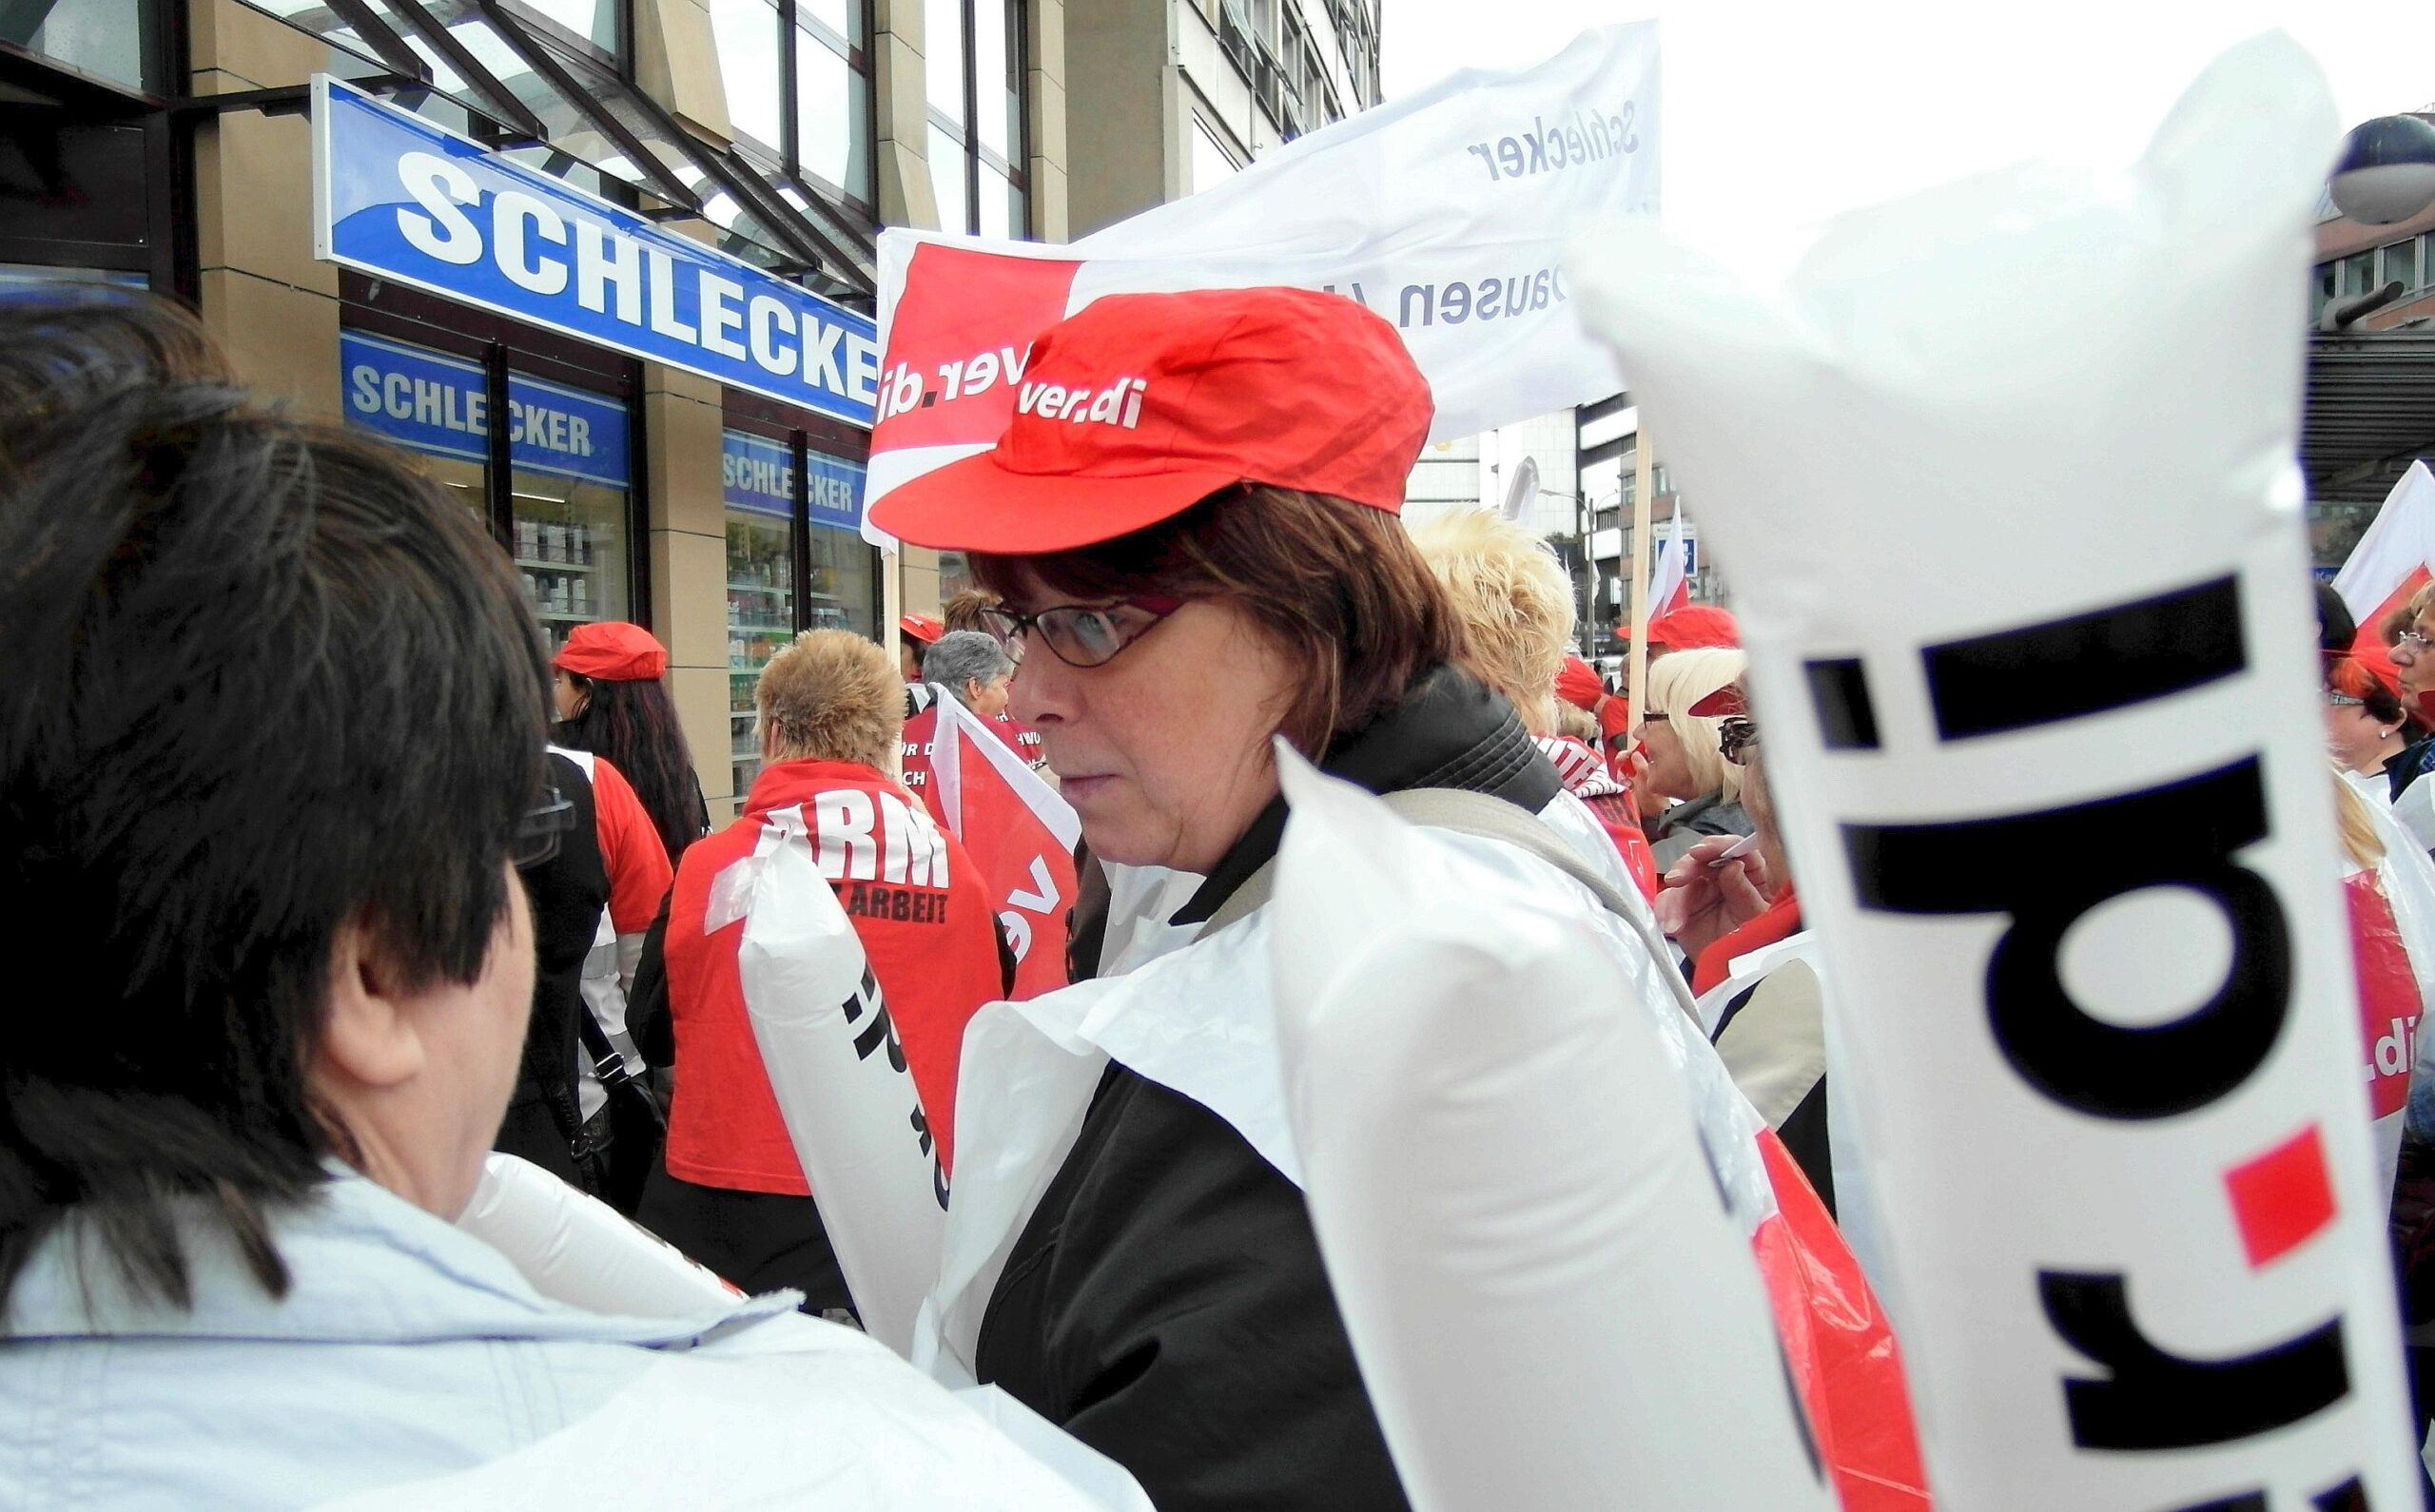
(2371, 371)
(165, 144)
(1174, 95)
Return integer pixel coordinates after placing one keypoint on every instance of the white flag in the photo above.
(1445, 213)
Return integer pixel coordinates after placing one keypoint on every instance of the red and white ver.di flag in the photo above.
(2391, 563)
(1444, 211)
(1020, 833)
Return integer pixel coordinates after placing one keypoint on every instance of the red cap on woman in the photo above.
(613, 651)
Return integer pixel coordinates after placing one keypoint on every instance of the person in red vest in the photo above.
(731, 1191)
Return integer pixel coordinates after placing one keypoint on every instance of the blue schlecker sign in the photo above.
(399, 198)
(758, 476)
(441, 404)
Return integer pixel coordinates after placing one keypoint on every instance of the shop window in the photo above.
(832, 94)
(2358, 273)
(2398, 264)
(751, 66)
(1212, 161)
(2322, 285)
(798, 80)
(795, 561)
(567, 509)
(758, 477)
(978, 150)
(105, 38)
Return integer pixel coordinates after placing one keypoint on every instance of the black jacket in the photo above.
(568, 892)
(1166, 1303)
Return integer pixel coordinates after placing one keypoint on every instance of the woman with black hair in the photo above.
(610, 702)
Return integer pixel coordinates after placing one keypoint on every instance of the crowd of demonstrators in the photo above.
(609, 687)
(304, 968)
(1163, 1298)
(731, 1190)
(1516, 603)
(331, 976)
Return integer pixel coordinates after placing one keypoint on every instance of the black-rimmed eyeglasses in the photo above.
(1084, 634)
(1735, 735)
(537, 834)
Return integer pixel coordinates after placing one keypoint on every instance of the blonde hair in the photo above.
(1514, 601)
(831, 695)
(2355, 825)
(1676, 681)
(1578, 722)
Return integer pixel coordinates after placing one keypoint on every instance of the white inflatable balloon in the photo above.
(581, 1251)
(1550, 1305)
(2052, 771)
(839, 1073)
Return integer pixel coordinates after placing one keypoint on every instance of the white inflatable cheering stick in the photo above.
(2054, 790)
(1550, 1305)
(839, 1075)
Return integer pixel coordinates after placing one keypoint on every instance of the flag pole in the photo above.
(1643, 478)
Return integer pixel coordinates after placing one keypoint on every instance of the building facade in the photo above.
(2371, 372)
(168, 144)
(1178, 94)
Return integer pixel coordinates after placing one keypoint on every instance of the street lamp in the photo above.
(2387, 170)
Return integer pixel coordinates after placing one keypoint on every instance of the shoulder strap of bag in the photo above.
(1465, 813)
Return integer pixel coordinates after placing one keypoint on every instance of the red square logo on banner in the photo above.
(959, 340)
(2281, 1199)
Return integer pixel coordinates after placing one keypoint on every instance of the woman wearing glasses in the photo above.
(2364, 722)
(1682, 751)
(1191, 526)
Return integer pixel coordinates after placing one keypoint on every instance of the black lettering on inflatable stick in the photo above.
(2350, 1496)
(938, 1172)
(880, 1030)
(2046, 869)
(2088, 664)
(2152, 1400)
(1846, 719)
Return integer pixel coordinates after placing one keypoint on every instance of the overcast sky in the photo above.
(1780, 110)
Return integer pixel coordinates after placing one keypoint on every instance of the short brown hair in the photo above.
(1339, 585)
(963, 611)
(831, 695)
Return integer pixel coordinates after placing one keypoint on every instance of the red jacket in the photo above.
(933, 950)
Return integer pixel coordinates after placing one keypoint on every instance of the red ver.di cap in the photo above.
(1140, 405)
(613, 651)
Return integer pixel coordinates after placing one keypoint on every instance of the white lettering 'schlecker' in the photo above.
(550, 249)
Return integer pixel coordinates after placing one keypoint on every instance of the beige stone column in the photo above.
(682, 417)
(272, 306)
(1046, 88)
(901, 152)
